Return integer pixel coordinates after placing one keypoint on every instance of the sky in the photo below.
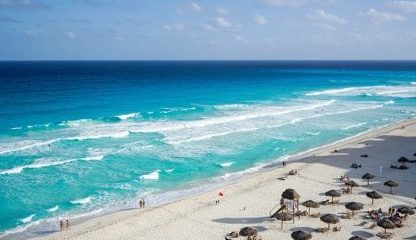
(207, 29)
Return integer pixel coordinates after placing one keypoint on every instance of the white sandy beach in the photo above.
(249, 201)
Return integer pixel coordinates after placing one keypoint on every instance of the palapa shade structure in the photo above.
(332, 194)
(403, 160)
(351, 184)
(391, 184)
(406, 210)
(386, 224)
(368, 177)
(310, 204)
(300, 235)
(373, 195)
(357, 238)
(330, 219)
(248, 231)
(283, 216)
(291, 194)
(354, 206)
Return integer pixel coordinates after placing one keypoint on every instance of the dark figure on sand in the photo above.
(61, 225)
(67, 225)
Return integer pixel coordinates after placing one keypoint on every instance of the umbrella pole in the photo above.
(293, 208)
(281, 225)
(391, 190)
(309, 210)
(297, 207)
(372, 201)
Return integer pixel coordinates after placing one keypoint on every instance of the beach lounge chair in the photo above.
(315, 215)
(322, 230)
(336, 229)
(393, 166)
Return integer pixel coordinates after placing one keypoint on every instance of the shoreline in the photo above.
(83, 226)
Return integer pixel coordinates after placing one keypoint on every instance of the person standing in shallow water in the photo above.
(67, 225)
(61, 225)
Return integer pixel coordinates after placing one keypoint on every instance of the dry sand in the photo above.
(249, 201)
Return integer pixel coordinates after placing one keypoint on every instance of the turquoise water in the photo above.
(84, 138)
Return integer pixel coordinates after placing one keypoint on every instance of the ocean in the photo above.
(80, 139)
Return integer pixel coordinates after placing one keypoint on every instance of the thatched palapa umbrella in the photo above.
(391, 184)
(291, 194)
(351, 184)
(283, 216)
(373, 195)
(406, 210)
(368, 177)
(300, 235)
(310, 204)
(403, 160)
(356, 238)
(332, 194)
(248, 231)
(330, 219)
(354, 206)
(386, 224)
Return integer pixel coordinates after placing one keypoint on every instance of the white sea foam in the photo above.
(169, 170)
(400, 91)
(82, 201)
(129, 115)
(53, 209)
(151, 176)
(27, 219)
(313, 133)
(183, 138)
(354, 126)
(40, 163)
(23, 145)
(226, 164)
(76, 123)
(98, 135)
(390, 102)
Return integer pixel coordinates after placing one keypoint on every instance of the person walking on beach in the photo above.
(140, 203)
(67, 225)
(61, 225)
(143, 203)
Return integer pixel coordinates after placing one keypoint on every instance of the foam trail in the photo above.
(226, 164)
(400, 91)
(170, 126)
(82, 201)
(354, 126)
(38, 164)
(293, 121)
(151, 176)
(53, 209)
(27, 219)
(127, 116)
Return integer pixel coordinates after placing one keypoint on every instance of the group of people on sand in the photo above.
(64, 226)
(142, 203)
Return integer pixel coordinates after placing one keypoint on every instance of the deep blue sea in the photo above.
(79, 139)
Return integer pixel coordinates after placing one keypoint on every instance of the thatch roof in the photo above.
(386, 223)
(311, 204)
(352, 184)
(374, 195)
(330, 218)
(368, 176)
(406, 210)
(300, 235)
(402, 159)
(248, 231)
(354, 206)
(357, 238)
(391, 183)
(290, 194)
(333, 193)
(283, 216)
